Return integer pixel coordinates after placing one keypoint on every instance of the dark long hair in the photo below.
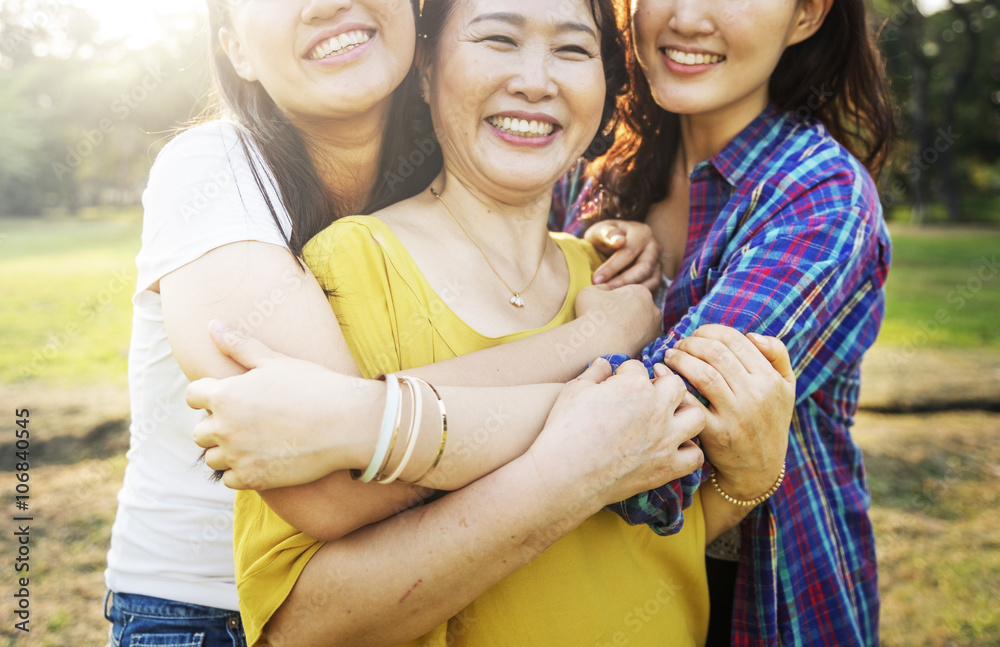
(837, 75)
(616, 73)
(311, 205)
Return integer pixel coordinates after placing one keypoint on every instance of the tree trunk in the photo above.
(950, 184)
(912, 33)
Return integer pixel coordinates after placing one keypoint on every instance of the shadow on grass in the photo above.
(107, 439)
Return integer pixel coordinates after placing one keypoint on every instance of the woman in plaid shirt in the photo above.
(749, 145)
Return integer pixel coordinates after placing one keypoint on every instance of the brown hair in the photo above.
(310, 204)
(839, 65)
(616, 75)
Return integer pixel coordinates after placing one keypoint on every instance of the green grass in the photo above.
(67, 286)
(943, 289)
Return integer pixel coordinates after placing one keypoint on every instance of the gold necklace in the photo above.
(515, 299)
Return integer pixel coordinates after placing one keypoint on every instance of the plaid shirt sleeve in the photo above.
(572, 202)
(797, 276)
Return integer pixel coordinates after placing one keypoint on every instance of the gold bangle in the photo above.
(752, 502)
(444, 431)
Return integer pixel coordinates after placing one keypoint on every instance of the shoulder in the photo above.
(347, 242)
(211, 175)
(813, 166)
(810, 176)
(211, 139)
(580, 255)
(211, 157)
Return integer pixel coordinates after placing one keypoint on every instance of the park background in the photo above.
(89, 93)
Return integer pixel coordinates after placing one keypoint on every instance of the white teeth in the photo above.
(523, 127)
(339, 44)
(685, 58)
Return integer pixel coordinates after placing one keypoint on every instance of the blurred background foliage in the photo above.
(85, 115)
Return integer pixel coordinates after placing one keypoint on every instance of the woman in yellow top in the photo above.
(517, 90)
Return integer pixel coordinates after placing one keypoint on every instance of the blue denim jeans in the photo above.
(140, 620)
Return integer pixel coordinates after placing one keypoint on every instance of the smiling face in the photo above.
(322, 59)
(516, 90)
(717, 56)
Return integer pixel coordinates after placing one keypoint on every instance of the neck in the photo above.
(515, 229)
(705, 134)
(509, 222)
(345, 153)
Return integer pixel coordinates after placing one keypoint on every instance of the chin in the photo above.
(677, 103)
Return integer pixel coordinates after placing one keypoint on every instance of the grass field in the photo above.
(935, 478)
(67, 286)
(943, 289)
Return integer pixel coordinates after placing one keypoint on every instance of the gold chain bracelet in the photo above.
(752, 502)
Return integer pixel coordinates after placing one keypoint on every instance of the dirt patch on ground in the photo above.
(899, 380)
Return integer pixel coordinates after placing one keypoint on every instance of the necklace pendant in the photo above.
(517, 301)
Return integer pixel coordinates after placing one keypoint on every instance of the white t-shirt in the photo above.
(173, 534)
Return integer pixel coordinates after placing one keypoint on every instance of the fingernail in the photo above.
(616, 239)
(760, 339)
(217, 326)
(667, 354)
(598, 278)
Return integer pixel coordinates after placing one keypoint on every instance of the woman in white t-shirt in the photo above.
(314, 121)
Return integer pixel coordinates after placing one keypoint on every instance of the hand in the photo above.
(633, 253)
(750, 386)
(628, 310)
(285, 422)
(619, 435)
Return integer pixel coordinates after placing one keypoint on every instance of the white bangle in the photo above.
(416, 416)
(391, 414)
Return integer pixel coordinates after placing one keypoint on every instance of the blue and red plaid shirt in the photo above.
(786, 238)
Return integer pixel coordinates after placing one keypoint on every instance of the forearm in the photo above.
(556, 355)
(487, 428)
(721, 516)
(396, 580)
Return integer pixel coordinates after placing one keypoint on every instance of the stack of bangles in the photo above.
(378, 469)
(752, 502)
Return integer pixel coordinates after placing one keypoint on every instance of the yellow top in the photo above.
(605, 583)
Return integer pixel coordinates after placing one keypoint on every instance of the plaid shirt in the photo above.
(786, 238)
